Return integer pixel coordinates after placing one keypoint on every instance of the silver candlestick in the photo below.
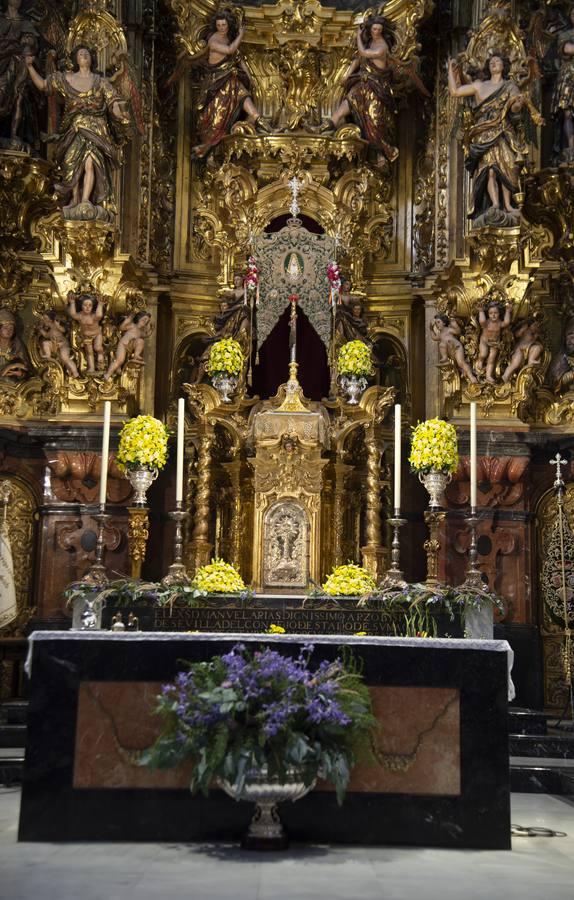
(394, 578)
(473, 580)
(177, 573)
(97, 573)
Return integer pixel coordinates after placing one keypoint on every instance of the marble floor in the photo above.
(538, 868)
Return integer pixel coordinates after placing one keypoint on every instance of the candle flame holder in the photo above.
(177, 573)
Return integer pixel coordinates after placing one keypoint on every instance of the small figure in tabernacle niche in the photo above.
(135, 329)
(528, 349)
(491, 327)
(447, 332)
(54, 341)
(88, 312)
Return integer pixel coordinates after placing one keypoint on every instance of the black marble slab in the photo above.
(556, 746)
(256, 614)
(52, 809)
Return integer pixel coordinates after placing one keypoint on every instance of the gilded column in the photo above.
(201, 549)
(234, 470)
(341, 471)
(372, 552)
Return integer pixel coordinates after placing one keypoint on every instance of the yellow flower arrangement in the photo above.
(143, 444)
(218, 577)
(275, 629)
(225, 356)
(434, 446)
(349, 580)
(355, 359)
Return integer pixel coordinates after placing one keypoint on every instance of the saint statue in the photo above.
(225, 84)
(90, 137)
(18, 106)
(563, 97)
(494, 141)
(368, 84)
(14, 364)
(562, 368)
(350, 324)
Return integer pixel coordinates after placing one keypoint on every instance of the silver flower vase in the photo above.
(266, 830)
(353, 387)
(225, 384)
(141, 480)
(435, 483)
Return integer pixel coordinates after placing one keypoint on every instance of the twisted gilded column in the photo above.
(234, 470)
(201, 549)
(372, 552)
(341, 472)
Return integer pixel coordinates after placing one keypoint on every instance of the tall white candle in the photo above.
(105, 452)
(179, 466)
(473, 460)
(397, 492)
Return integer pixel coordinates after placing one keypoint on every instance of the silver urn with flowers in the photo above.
(224, 367)
(354, 365)
(142, 452)
(263, 726)
(434, 457)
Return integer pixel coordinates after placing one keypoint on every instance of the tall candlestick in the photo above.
(180, 452)
(105, 452)
(397, 497)
(473, 455)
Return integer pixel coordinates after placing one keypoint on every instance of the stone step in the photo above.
(545, 745)
(11, 767)
(14, 712)
(12, 736)
(527, 721)
(542, 776)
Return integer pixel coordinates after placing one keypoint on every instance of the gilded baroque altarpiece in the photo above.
(438, 173)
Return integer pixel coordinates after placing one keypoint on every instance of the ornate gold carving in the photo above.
(20, 527)
(138, 532)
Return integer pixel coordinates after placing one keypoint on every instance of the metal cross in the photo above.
(558, 462)
(295, 186)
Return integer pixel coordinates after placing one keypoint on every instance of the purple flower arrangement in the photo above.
(247, 711)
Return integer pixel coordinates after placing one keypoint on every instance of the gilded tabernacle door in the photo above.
(286, 546)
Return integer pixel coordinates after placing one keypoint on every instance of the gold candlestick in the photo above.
(177, 573)
(473, 580)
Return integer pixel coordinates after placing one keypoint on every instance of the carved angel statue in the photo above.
(92, 130)
(493, 142)
(447, 332)
(18, 36)
(88, 311)
(563, 96)
(368, 88)
(134, 330)
(492, 326)
(54, 341)
(528, 348)
(224, 83)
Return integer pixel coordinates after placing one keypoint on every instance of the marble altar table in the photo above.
(442, 704)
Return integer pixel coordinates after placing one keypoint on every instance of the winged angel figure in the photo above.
(223, 79)
(384, 61)
(97, 114)
(496, 80)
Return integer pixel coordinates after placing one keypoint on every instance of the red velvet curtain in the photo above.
(273, 368)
